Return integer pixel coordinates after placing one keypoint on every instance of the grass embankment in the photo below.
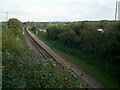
(95, 71)
(0, 44)
(0, 58)
(21, 70)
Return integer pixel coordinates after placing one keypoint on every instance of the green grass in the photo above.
(101, 76)
(0, 46)
(94, 71)
(0, 58)
(22, 70)
(0, 40)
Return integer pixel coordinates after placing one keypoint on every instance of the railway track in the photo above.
(87, 80)
(41, 50)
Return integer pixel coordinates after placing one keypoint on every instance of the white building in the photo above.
(119, 10)
(42, 30)
(100, 30)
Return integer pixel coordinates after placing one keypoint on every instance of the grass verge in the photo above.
(22, 70)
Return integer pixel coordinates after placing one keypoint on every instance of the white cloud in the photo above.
(61, 10)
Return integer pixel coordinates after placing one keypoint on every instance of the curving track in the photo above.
(41, 50)
(88, 80)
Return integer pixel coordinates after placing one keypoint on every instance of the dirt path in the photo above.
(87, 79)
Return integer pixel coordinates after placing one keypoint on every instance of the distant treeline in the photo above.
(86, 36)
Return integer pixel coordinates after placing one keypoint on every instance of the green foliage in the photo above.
(76, 27)
(91, 45)
(34, 28)
(54, 31)
(88, 62)
(85, 35)
(21, 70)
(14, 23)
(68, 37)
(112, 45)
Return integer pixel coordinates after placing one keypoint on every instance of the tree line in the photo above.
(86, 37)
(89, 39)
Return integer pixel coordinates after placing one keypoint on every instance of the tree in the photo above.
(14, 23)
(34, 28)
(54, 31)
(76, 27)
(68, 37)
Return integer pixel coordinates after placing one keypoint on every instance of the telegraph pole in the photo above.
(6, 19)
(116, 8)
(6, 16)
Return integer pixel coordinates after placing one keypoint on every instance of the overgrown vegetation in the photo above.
(83, 40)
(21, 70)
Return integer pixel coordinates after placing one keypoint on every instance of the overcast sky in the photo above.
(57, 10)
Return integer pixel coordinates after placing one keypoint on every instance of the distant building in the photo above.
(36, 32)
(100, 30)
(42, 30)
(119, 10)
